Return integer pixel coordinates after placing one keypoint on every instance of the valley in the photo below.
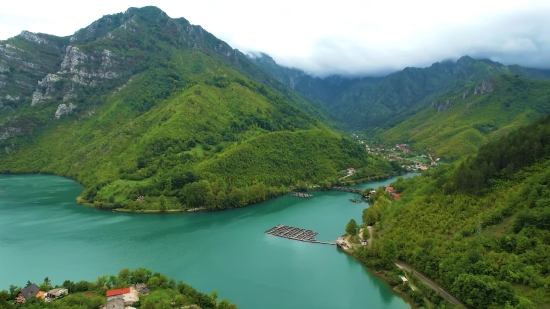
(442, 169)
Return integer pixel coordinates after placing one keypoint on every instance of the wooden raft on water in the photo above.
(295, 233)
(345, 189)
(302, 195)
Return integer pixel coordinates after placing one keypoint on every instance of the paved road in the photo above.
(430, 283)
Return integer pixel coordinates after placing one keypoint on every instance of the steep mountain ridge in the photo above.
(371, 102)
(140, 104)
(455, 124)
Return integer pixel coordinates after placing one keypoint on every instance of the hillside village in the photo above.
(123, 298)
(411, 160)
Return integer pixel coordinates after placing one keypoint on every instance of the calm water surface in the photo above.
(44, 233)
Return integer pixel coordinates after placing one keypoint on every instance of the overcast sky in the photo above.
(361, 37)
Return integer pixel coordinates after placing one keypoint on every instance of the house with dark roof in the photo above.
(27, 293)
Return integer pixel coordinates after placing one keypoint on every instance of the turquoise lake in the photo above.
(44, 233)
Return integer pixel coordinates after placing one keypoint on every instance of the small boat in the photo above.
(355, 201)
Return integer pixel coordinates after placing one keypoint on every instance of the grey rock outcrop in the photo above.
(44, 89)
(73, 57)
(64, 109)
(32, 37)
(485, 87)
(444, 106)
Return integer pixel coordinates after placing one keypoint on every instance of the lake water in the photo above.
(44, 233)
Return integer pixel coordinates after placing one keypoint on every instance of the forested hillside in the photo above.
(388, 100)
(457, 123)
(480, 229)
(150, 112)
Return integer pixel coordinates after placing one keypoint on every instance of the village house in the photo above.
(389, 189)
(142, 288)
(351, 170)
(27, 293)
(128, 295)
(41, 295)
(115, 303)
(57, 293)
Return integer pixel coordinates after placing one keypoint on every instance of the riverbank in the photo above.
(310, 188)
(382, 276)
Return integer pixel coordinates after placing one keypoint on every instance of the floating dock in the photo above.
(302, 195)
(346, 189)
(295, 234)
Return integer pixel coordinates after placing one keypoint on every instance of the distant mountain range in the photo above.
(385, 101)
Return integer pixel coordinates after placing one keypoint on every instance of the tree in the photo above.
(351, 228)
(124, 275)
(43, 287)
(366, 233)
(102, 281)
(163, 203)
(14, 290)
(369, 216)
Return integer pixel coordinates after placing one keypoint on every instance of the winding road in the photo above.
(430, 283)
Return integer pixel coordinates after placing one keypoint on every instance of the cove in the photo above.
(44, 233)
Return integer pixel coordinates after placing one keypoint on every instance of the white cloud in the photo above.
(323, 37)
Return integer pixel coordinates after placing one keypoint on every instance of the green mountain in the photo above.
(140, 104)
(457, 123)
(385, 101)
(480, 229)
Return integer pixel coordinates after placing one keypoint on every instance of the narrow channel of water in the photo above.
(44, 233)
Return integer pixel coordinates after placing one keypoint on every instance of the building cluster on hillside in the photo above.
(116, 299)
(392, 193)
(33, 291)
(402, 147)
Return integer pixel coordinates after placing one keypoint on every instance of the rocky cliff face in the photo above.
(26, 60)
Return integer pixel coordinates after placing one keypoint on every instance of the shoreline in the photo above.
(79, 201)
(375, 273)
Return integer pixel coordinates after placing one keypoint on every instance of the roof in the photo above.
(56, 290)
(41, 294)
(117, 292)
(30, 291)
(389, 188)
(397, 196)
(351, 169)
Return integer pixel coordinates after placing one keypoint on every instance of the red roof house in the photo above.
(117, 292)
(396, 196)
(389, 189)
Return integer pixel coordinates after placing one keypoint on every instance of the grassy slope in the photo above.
(461, 129)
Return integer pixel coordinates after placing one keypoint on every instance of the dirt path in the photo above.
(430, 283)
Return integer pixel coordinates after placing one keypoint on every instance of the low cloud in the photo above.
(350, 37)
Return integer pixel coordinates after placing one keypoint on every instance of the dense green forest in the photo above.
(164, 293)
(459, 122)
(168, 117)
(369, 102)
(480, 229)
